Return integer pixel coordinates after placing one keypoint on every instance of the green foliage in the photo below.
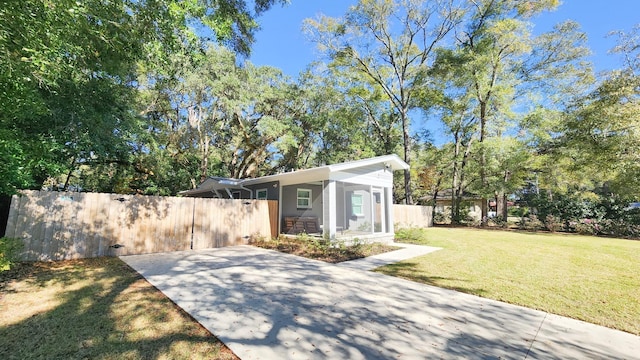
(412, 235)
(600, 213)
(493, 83)
(553, 223)
(9, 252)
(67, 81)
(386, 56)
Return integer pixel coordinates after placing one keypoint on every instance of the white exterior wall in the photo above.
(375, 175)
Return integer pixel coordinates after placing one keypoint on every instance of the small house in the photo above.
(471, 205)
(339, 201)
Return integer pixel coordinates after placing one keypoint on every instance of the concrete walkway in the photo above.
(408, 251)
(268, 305)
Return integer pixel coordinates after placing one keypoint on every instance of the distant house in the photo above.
(471, 202)
(346, 200)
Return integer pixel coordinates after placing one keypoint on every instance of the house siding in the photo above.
(289, 202)
(273, 192)
(375, 175)
(360, 222)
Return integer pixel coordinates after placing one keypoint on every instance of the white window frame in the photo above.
(361, 205)
(258, 197)
(309, 199)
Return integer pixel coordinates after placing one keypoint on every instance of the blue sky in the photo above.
(281, 42)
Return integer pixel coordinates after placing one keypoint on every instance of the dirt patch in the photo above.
(320, 249)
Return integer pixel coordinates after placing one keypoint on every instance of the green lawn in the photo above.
(587, 278)
(95, 309)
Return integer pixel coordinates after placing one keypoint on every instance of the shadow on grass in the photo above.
(407, 270)
(101, 309)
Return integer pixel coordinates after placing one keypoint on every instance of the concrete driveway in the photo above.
(267, 305)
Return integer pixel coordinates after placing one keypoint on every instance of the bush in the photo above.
(413, 234)
(618, 228)
(498, 221)
(531, 223)
(9, 252)
(470, 220)
(553, 223)
(441, 218)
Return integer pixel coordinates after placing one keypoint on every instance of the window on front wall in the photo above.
(304, 199)
(356, 205)
(261, 194)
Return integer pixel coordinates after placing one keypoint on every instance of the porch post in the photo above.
(371, 210)
(388, 208)
(329, 209)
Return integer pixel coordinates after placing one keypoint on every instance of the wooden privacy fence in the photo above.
(57, 226)
(405, 216)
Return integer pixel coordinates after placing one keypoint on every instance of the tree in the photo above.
(391, 43)
(67, 73)
(603, 128)
(499, 67)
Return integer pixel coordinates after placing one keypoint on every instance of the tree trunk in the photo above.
(505, 208)
(483, 164)
(408, 198)
(455, 211)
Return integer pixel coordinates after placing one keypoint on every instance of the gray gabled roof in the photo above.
(212, 184)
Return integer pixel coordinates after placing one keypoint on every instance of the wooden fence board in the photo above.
(13, 216)
(412, 216)
(64, 225)
(55, 225)
(273, 218)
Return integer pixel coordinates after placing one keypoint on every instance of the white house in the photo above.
(346, 200)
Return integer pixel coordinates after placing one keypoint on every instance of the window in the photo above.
(304, 199)
(236, 195)
(356, 205)
(261, 194)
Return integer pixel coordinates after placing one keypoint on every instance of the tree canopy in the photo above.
(153, 97)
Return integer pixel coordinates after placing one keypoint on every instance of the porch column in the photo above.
(388, 208)
(329, 209)
(372, 210)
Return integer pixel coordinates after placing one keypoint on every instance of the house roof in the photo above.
(446, 194)
(213, 184)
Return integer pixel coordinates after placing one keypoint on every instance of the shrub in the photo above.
(470, 220)
(553, 223)
(410, 234)
(585, 228)
(531, 223)
(9, 252)
(498, 221)
(619, 228)
(441, 218)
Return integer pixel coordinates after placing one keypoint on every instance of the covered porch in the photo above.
(337, 210)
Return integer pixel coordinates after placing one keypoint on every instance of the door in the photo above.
(378, 211)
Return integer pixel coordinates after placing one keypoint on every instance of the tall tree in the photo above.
(603, 128)
(391, 43)
(503, 70)
(67, 71)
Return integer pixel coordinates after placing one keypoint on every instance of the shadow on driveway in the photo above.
(267, 305)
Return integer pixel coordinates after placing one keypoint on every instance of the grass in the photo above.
(319, 249)
(583, 277)
(95, 309)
